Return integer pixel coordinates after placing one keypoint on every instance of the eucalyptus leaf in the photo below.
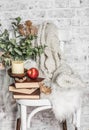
(40, 51)
(17, 51)
(30, 53)
(9, 46)
(13, 41)
(14, 23)
(36, 50)
(10, 49)
(18, 19)
(2, 46)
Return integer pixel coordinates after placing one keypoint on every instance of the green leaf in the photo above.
(24, 52)
(5, 32)
(17, 51)
(23, 44)
(18, 19)
(13, 23)
(36, 50)
(30, 53)
(9, 46)
(10, 49)
(13, 41)
(28, 41)
(31, 37)
(2, 46)
(40, 51)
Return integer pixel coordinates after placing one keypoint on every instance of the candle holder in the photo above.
(18, 77)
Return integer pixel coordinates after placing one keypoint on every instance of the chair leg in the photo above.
(77, 119)
(64, 125)
(76, 128)
(18, 124)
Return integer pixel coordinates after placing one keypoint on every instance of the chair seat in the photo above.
(38, 102)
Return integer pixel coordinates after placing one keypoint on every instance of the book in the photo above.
(12, 88)
(34, 95)
(26, 96)
(29, 83)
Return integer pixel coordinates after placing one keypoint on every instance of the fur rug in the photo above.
(67, 92)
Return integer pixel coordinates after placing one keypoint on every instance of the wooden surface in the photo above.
(16, 75)
(18, 124)
(64, 125)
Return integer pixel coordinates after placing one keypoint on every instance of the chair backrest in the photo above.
(49, 61)
(51, 64)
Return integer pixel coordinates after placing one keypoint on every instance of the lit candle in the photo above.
(17, 67)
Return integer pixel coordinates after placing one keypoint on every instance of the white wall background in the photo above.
(72, 18)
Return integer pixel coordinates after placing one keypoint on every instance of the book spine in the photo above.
(27, 85)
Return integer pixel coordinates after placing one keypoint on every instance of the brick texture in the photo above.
(72, 19)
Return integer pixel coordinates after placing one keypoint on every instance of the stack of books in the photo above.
(29, 89)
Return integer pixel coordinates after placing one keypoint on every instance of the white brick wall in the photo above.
(72, 18)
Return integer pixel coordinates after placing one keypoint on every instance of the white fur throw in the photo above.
(67, 93)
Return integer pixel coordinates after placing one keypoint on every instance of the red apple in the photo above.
(33, 73)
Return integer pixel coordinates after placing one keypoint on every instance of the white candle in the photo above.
(17, 67)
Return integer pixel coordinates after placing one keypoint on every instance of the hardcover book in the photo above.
(33, 95)
(12, 88)
(26, 96)
(29, 83)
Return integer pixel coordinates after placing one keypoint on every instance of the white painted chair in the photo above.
(47, 35)
(41, 104)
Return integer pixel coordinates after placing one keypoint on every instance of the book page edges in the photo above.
(25, 91)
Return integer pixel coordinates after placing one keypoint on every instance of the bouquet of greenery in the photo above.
(20, 46)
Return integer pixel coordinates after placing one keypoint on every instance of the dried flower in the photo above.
(28, 23)
(34, 30)
(27, 29)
